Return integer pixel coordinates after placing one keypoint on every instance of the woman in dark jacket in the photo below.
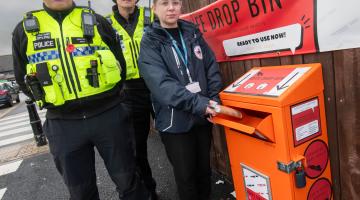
(181, 72)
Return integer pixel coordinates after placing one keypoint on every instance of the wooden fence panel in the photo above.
(220, 161)
(347, 77)
(190, 6)
(326, 59)
(291, 60)
(226, 73)
(252, 63)
(219, 155)
(238, 69)
(270, 61)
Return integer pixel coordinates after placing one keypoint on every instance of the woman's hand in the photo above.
(210, 112)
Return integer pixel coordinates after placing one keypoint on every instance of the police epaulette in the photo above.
(33, 11)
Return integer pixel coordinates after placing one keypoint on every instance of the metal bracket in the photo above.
(288, 168)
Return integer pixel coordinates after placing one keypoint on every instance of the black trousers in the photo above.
(72, 145)
(189, 154)
(137, 98)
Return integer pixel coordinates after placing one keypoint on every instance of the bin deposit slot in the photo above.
(255, 123)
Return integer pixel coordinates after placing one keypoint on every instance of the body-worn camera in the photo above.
(31, 23)
(88, 23)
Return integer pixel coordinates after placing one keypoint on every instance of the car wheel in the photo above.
(18, 99)
(10, 103)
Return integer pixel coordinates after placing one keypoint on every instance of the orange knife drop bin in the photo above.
(279, 148)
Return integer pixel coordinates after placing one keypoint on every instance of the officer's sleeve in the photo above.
(212, 71)
(164, 88)
(108, 35)
(19, 46)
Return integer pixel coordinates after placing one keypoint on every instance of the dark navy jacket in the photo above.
(176, 109)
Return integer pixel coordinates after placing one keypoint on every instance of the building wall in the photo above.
(6, 67)
(6, 63)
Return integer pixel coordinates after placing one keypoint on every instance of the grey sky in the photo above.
(12, 11)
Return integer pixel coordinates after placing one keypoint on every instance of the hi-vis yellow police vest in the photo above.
(61, 54)
(131, 45)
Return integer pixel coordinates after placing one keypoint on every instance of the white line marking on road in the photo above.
(14, 121)
(15, 131)
(10, 167)
(16, 139)
(15, 128)
(12, 126)
(18, 119)
(23, 114)
(2, 192)
(8, 111)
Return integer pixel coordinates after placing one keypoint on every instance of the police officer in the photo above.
(66, 54)
(130, 22)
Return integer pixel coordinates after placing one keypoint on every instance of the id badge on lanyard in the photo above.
(193, 87)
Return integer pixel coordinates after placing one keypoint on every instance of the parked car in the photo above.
(8, 94)
(15, 86)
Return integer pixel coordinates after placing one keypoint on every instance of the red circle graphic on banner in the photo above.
(320, 190)
(317, 156)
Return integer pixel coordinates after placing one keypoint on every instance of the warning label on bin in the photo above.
(267, 81)
(305, 121)
(321, 189)
(251, 195)
(257, 185)
(317, 156)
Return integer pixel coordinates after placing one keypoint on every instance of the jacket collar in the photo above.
(59, 15)
(132, 17)
(189, 30)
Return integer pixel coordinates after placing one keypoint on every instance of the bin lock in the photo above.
(292, 166)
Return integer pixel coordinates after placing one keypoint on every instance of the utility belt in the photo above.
(134, 84)
(93, 74)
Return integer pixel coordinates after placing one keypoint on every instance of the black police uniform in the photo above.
(76, 127)
(137, 97)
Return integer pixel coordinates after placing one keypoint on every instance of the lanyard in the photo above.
(183, 57)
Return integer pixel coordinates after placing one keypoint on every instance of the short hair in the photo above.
(154, 1)
(116, 2)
